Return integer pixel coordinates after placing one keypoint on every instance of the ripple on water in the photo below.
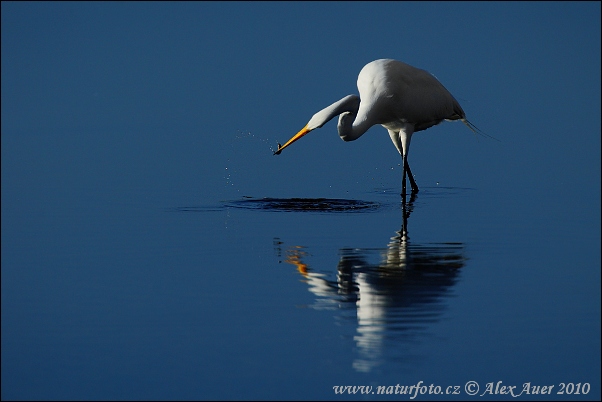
(305, 205)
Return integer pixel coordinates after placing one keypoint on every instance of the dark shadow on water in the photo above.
(316, 205)
(323, 205)
(204, 208)
(394, 293)
(327, 205)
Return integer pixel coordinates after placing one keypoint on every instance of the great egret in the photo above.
(401, 98)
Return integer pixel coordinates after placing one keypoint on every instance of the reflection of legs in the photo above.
(405, 214)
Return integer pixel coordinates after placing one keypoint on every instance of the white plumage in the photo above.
(401, 98)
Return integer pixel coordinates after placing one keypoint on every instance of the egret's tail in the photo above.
(476, 130)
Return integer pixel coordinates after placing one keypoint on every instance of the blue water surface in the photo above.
(154, 248)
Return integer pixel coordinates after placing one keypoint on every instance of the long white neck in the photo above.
(349, 103)
(351, 127)
(347, 109)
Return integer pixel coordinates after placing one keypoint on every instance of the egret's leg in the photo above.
(410, 175)
(403, 178)
(405, 137)
(401, 138)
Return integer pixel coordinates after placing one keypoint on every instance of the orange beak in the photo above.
(300, 134)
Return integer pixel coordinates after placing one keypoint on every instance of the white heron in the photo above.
(401, 98)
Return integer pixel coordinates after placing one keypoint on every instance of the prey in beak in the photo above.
(300, 134)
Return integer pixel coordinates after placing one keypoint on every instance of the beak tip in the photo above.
(300, 134)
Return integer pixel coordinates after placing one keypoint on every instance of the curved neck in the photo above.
(351, 127)
(349, 103)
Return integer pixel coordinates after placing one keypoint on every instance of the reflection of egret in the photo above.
(401, 98)
(396, 291)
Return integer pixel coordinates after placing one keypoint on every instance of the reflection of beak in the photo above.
(294, 257)
(300, 134)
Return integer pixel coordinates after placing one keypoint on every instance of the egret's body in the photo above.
(401, 98)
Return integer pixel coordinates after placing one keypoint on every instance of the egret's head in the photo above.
(350, 103)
